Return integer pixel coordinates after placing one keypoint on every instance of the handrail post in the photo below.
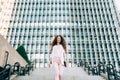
(101, 68)
(110, 71)
(7, 54)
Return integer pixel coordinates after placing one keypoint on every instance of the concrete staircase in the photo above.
(74, 73)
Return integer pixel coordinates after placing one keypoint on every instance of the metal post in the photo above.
(7, 54)
(110, 71)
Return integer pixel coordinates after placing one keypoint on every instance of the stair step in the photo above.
(74, 73)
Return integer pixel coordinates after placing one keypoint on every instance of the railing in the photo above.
(5, 73)
(26, 69)
(117, 75)
(15, 69)
(102, 69)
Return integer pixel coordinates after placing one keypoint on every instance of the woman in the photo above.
(58, 50)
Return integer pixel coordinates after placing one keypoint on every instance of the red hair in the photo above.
(63, 42)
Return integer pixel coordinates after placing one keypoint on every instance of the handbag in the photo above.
(65, 63)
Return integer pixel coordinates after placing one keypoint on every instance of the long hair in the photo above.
(63, 42)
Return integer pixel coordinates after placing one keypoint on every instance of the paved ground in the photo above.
(73, 73)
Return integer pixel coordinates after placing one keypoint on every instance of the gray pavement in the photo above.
(74, 73)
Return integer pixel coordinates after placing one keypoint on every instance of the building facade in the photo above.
(6, 7)
(90, 28)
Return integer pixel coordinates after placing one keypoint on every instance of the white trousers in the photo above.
(58, 67)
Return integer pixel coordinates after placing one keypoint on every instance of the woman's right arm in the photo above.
(50, 59)
(51, 55)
